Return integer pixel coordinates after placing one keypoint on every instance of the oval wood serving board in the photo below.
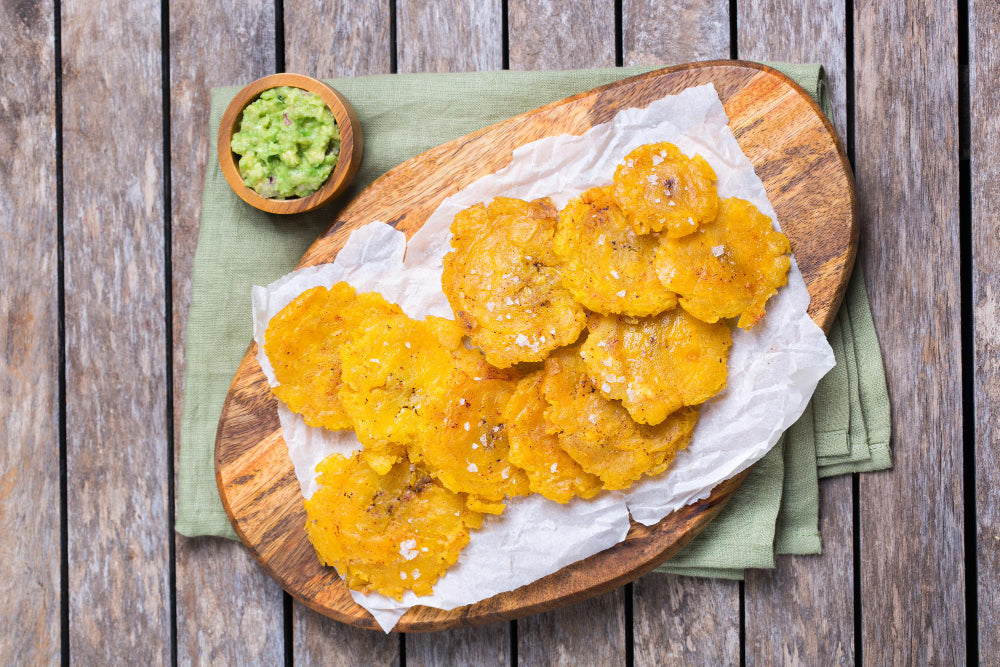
(808, 179)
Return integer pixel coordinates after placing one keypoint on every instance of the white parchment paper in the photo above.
(773, 369)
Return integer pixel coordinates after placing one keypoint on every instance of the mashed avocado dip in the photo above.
(288, 143)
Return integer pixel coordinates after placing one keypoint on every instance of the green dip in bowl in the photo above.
(288, 143)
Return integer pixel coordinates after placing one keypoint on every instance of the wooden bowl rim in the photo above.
(351, 144)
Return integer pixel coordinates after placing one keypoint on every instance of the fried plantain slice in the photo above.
(599, 433)
(503, 283)
(660, 188)
(303, 345)
(730, 268)
(396, 374)
(656, 365)
(551, 471)
(468, 451)
(382, 455)
(606, 265)
(470, 363)
(386, 533)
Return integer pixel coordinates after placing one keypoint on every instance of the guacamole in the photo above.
(288, 143)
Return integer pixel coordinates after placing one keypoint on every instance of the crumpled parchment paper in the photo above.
(773, 369)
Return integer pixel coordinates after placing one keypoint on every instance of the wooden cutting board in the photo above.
(802, 163)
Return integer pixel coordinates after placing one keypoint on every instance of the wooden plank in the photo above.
(484, 645)
(553, 35)
(333, 38)
(803, 611)
(655, 33)
(319, 640)
(228, 610)
(29, 342)
(912, 576)
(548, 34)
(668, 33)
(683, 620)
(115, 337)
(217, 581)
(359, 46)
(588, 633)
(984, 130)
(449, 35)
(786, 30)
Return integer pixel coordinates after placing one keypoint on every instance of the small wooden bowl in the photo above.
(350, 144)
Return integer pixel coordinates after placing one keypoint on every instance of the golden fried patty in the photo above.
(303, 344)
(656, 365)
(660, 188)
(386, 533)
(605, 264)
(729, 268)
(503, 282)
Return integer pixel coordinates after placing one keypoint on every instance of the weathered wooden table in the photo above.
(103, 108)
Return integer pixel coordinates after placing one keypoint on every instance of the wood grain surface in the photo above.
(449, 35)
(228, 610)
(116, 430)
(660, 33)
(797, 32)
(255, 477)
(482, 645)
(900, 86)
(361, 45)
(803, 610)
(686, 621)
(911, 518)
(553, 35)
(592, 632)
(655, 32)
(318, 640)
(328, 39)
(984, 98)
(549, 34)
(29, 340)
(444, 47)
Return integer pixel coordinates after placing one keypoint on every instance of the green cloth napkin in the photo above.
(868, 425)
(403, 115)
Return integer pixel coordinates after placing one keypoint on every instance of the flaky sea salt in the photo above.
(408, 549)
